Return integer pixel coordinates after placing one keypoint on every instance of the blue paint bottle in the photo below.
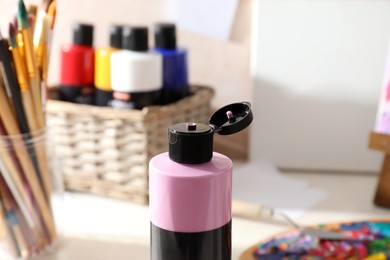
(175, 69)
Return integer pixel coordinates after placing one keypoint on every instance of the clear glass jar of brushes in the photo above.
(30, 195)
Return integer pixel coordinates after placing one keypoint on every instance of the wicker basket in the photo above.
(106, 151)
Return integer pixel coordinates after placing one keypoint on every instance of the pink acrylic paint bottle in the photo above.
(190, 189)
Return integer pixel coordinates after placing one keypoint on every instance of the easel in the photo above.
(381, 142)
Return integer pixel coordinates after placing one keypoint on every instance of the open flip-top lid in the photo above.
(192, 143)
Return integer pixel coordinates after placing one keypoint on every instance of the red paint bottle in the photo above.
(77, 66)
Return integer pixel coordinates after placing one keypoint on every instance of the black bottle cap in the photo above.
(165, 36)
(192, 143)
(116, 36)
(135, 38)
(83, 34)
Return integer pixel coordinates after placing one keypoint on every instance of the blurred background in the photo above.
(220, 61)
(313, 71)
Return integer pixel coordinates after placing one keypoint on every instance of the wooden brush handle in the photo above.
(26, 163)
(246, 210)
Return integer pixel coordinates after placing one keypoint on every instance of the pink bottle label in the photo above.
(190, 198)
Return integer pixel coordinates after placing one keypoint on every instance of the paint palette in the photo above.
(366, 240)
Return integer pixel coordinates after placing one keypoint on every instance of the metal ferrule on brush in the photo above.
(21, 72)
(29, 51)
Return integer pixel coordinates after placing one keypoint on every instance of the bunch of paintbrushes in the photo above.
(25, 181)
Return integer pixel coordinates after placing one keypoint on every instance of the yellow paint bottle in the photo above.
(103, 93)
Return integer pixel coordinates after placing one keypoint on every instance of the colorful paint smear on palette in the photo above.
(369, 240)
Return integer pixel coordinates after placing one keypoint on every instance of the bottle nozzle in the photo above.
(230, 116)
(191, 126)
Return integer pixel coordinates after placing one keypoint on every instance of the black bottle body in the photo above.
(209, 245)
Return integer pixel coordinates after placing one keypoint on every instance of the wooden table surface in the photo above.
(247, 255)
(342, 205)
(91, 234)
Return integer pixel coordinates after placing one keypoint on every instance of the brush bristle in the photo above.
(45, 4)
(12, 35)
(22, 15)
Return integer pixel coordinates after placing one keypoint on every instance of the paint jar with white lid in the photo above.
(136, 72)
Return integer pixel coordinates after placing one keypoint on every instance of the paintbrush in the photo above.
(25, 161)
(10, 77)
(32, 11)
(44, 5)
(12, 222)
(24, 230)
(22, 78)
(10, 172)
(51, 12)
(9, 169)
(35, 85)
(27, 215)
(9, 232)
(27, 103)
(40, 150)
(42, 37)
(257, 212)
(32, 68)
(40, 40)
(51, 18)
